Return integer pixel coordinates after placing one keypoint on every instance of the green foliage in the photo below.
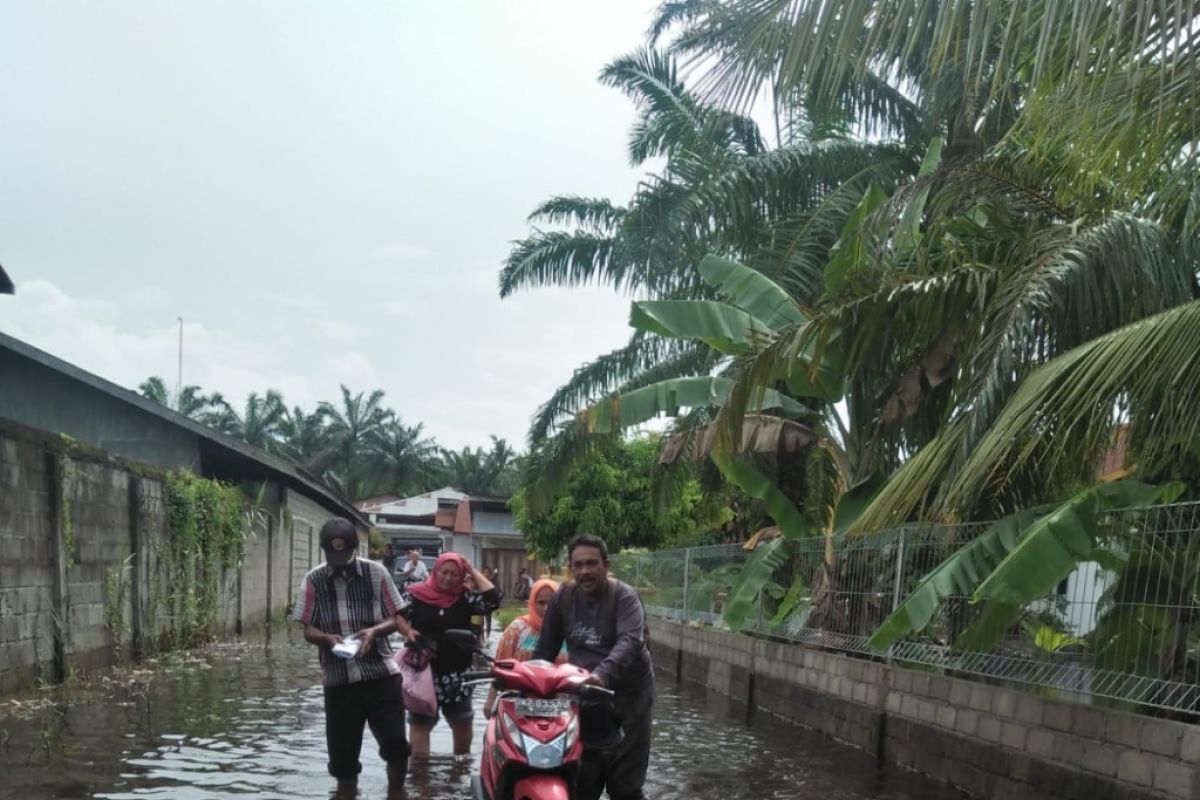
(610, 495)
(755, 577)
(481, 472)
(377, 546)
(506, 615)
(64, 498)
(1018, 560)
(116, 596)
(358, 446)
(206, 532)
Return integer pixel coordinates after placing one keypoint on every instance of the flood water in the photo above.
(244, 720)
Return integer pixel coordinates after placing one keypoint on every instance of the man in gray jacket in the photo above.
(603, 623)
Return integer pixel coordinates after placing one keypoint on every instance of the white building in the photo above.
(480, 529)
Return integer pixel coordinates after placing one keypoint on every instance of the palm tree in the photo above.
(258, 425)
(405, 461)
(1001, 314)
(191, 401)
(972, 304)
(478, 471)
(155, 388)
(350, 428)
(722, 190)
(305, 438)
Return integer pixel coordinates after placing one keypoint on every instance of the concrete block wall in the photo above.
(26, 568)
(54, 576)
(97, 500)
(306, 519)
(990, 741)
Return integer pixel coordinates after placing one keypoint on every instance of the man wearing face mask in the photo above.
(348, 606)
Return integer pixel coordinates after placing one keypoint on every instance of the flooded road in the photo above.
(244, 720)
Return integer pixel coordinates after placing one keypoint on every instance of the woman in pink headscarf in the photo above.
(444, 602)
(520, 638)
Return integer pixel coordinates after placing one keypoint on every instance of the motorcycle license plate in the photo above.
(538, 707)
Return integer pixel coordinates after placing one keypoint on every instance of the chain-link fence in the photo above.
(1123, 624)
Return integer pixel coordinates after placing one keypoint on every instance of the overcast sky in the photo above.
(323, 191)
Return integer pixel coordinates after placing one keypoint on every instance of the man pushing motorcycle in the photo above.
(604, 625)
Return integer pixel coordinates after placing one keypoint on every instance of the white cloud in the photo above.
(80, 332)
(338, 332)
(312, 225)
(393, 252)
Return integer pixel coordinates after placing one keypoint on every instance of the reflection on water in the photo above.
(245, 720)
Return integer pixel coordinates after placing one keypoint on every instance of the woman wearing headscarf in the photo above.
(520, 638)
(444, 602)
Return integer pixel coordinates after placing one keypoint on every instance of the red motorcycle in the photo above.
(533, 743)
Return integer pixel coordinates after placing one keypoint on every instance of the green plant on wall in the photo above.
(206, 531)
(116, 594)
(68, 527)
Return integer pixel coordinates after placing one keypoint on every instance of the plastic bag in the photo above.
(420, 697)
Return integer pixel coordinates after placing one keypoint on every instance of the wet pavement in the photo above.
(244, 720)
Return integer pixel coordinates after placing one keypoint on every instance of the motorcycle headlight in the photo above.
(515, 737)
(545, 756)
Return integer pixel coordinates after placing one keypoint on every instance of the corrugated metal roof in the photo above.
(423, 505)
(215, 446)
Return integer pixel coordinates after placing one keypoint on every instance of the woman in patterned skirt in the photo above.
(444, 602)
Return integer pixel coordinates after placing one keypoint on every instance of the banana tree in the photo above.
(1018, 560)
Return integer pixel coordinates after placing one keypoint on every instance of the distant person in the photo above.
(444, 602)
(413, 571)
(523, 586)
(520, 638)
(603, 624)
(346, 597)
(490, 574)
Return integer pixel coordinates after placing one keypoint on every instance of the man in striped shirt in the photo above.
(349, 597)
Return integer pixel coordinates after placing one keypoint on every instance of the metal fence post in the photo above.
(899, 571)
(899, 577)
(687, 564)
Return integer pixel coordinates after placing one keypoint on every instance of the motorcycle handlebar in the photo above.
(477, 675)
(591, 688)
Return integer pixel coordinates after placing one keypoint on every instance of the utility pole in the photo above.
(179, 373)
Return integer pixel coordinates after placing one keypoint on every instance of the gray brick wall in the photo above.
(990, 741)
(117, 526)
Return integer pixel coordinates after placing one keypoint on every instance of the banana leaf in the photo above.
(722, 327)
(743, 599)
(1018, 560)
(751, 291)
(792, 524)
(667, 397)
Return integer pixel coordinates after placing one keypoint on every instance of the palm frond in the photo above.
(645, 359)
(595, 214)
(1065, 412)
(557, 258)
